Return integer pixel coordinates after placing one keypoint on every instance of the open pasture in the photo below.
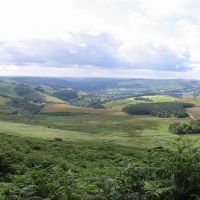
(160, 98)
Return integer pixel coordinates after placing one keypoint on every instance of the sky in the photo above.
(100, 38)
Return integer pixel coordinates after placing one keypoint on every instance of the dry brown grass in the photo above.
(194, 112)
(194, 100)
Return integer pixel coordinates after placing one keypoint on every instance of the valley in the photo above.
(72, 140)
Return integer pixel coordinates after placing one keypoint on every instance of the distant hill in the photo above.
(32, 93)
(114, 88)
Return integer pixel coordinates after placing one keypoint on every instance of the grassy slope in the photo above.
(8, 88)
(25, 130)
(51, 99)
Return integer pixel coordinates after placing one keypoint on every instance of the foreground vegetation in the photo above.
(38, 169)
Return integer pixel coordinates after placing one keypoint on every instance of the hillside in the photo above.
(20, 96)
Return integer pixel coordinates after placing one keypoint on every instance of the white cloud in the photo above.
(150, 35)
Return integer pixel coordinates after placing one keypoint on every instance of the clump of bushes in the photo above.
(182, 128)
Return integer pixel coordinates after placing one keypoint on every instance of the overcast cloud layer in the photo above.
(118, 38)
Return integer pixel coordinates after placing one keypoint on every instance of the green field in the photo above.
(128, 131)
(161, 98)
(119, 104)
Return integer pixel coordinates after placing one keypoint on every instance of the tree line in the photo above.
(160, 109)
